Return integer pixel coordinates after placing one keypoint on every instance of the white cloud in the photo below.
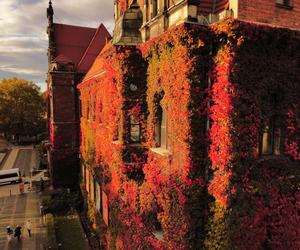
(25, 71)
(23, 39)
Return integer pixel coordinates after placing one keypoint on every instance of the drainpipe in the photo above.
(209, 86)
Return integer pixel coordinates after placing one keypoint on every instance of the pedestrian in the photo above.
(28, 226)
(18, 232)
(9, 233)
(42, 184)
(21, 187)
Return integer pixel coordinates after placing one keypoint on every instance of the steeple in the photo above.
(50, 13)
(50, 32)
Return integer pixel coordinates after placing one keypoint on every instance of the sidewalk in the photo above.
(9, 163)
(16, 210)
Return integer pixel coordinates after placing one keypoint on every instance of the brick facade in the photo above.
(71, 52)
(267, 11)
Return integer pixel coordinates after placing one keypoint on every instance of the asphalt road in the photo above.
(23, 161)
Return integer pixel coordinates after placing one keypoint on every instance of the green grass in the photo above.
(69, 233)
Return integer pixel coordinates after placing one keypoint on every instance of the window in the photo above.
(154, 8)
(98, 197)
(105, 207)
(100, 113)
(270, 135)
(135, 129)
(161, 128)
(270, 139)
(284, 4)
(5, 176)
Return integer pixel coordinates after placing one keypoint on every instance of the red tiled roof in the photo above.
(72, 41)
(206, 6)
(80, 44)
(97, 43)
(97, 67)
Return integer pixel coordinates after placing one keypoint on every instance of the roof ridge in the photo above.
(76, 26)
(98, 30)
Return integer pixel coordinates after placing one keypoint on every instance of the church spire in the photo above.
(50, 13)
(50, 32)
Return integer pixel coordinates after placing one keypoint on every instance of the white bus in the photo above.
(10, 176)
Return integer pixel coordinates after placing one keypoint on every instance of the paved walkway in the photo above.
(16, 210)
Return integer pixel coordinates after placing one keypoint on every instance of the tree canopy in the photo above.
(22, 108)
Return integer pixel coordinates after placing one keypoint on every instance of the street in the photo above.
(16, 208)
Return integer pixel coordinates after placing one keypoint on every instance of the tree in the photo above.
(22, 108)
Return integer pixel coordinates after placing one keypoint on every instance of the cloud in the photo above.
(23, 39)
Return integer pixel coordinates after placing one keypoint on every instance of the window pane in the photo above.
(163, 130)
(277, 136)
(135, 132)
(267, 141)
(98, 197)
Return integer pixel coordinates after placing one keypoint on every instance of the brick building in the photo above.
(71, 52)
(190, 127)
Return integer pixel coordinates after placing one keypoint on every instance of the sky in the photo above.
(23, 38)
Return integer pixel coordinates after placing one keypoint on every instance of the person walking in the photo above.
(18, 232)
(9, 233)
(28, 226)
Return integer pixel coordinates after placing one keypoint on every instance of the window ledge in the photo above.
(161, 151)
(283, 6)
(270, 157)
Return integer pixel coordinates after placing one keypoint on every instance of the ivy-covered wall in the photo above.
(212, 186)
(255, 81)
